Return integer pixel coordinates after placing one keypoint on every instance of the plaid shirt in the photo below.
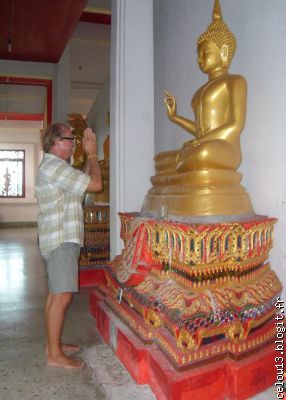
(59, 191)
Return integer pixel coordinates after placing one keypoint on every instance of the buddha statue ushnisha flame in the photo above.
(200, 179)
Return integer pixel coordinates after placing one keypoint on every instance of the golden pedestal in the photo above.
(198, 193)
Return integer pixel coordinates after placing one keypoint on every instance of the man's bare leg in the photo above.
(66, 347)
(56, 307)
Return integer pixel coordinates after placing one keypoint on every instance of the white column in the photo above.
(131, 109)
(61, 88)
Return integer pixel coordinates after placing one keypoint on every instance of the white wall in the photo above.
(61, 88)
(22, 136)
(89, 66)
(26, 69)
(96, 117)
(259, 27)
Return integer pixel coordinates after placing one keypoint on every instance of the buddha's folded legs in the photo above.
(216, 154)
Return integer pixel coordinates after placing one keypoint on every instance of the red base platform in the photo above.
(227, 379)
(91, 277)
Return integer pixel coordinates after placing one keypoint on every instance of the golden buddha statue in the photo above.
(78, 124)
(104, 164)
(200, 178)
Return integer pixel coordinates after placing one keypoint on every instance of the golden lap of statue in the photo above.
(200, 178)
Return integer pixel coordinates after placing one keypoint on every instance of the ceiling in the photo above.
(39, 30)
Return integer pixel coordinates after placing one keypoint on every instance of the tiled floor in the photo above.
(23, 373)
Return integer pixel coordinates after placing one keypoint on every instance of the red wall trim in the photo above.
(21, 117)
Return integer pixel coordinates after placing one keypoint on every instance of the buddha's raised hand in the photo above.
(171, 104)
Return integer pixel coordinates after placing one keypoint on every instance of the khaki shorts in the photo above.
(62, 268)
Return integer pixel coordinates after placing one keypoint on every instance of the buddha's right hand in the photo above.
(171, 104)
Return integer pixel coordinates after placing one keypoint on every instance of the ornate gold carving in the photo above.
(153, 318)
(254, 323)
(185, 340)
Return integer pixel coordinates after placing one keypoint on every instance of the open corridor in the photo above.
(23, 371)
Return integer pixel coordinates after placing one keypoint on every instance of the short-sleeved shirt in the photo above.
(59, 191)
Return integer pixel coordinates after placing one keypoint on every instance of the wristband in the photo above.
(92, 156)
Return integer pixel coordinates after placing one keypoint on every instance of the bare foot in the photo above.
(68, 348)
(64, 362)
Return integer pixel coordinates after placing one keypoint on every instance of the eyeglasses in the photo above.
(72, 138)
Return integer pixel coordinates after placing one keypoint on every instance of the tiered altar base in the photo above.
(147, 364)
(196, 304)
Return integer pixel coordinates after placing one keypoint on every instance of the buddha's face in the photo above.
(209, 56)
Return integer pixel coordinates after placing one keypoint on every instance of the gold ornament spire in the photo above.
(217, 14)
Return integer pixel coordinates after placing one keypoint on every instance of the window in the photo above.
(12, 173)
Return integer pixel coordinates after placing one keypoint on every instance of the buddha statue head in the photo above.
(219, 33)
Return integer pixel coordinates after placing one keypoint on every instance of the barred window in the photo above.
(12, 173)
